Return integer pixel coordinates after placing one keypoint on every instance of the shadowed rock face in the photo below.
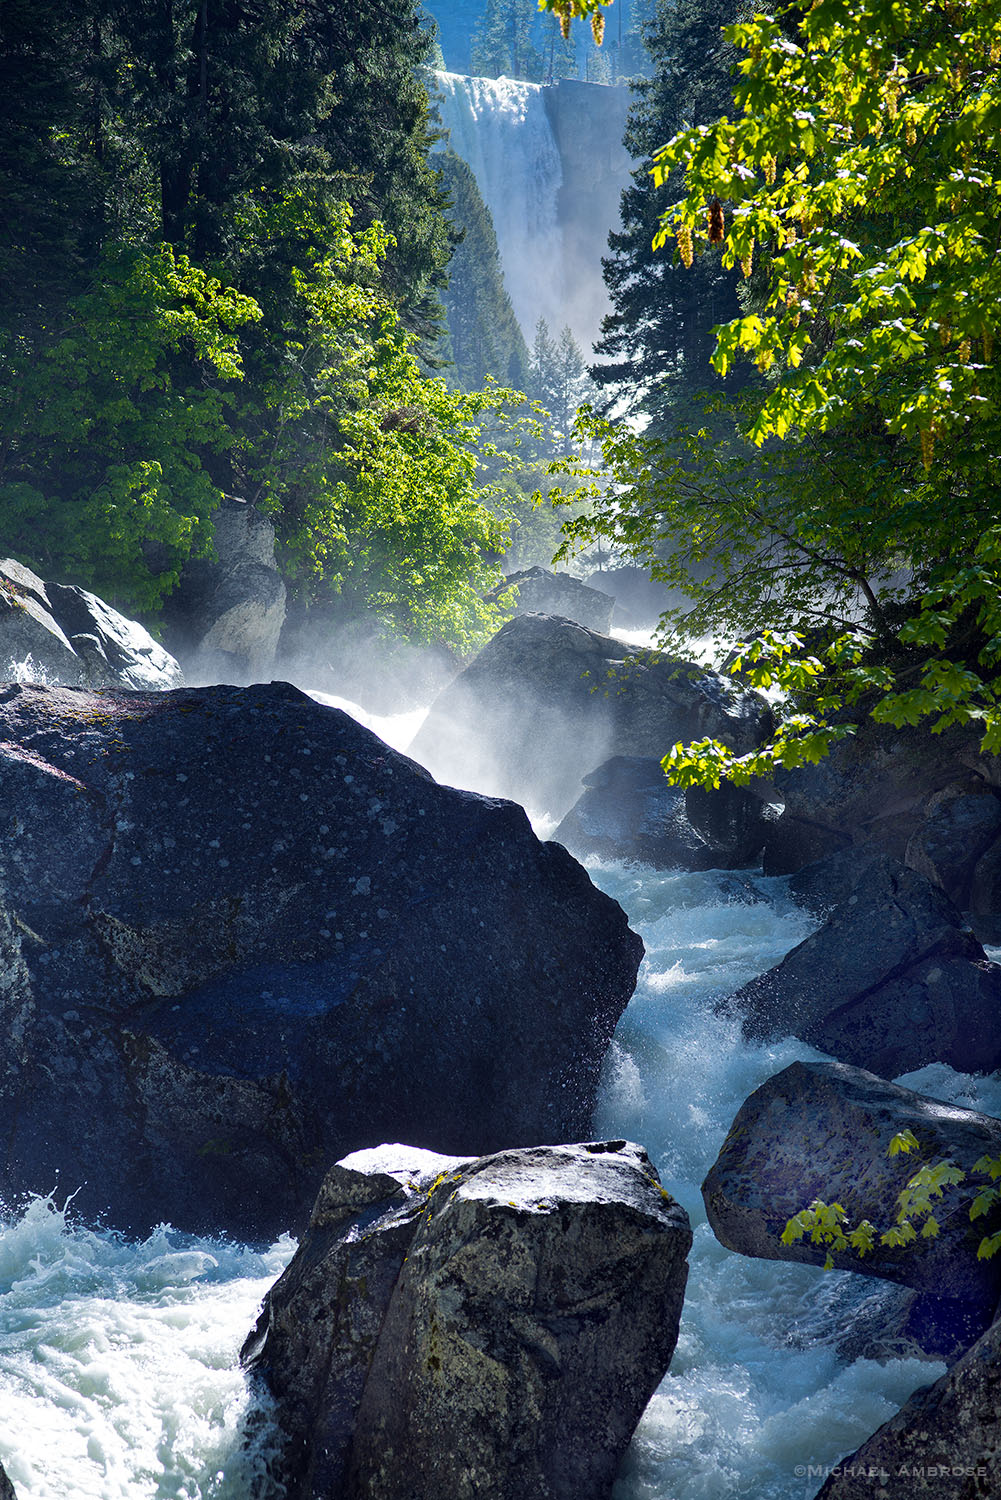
(629, 810)
(943, 1443)
(821, 1130)
(240, 936)
(226, 615)
(890, 982)
(546, 701)
(451, 1328)
(542, 592)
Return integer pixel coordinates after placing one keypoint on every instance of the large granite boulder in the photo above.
(57, 633)
(240, 936)
(225, 617)
(457, 1328)
(629, 810)
(943, 1443)
(891, 981)
(821, 1130)
(541, 592)
(546, 701)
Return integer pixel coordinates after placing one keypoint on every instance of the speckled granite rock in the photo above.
(821, 1130)
(456, 1328)
(240, 936)
(890, 982)
(629, 810)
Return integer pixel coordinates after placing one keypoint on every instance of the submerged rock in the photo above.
(890, 982)
(451, 1328)
(821, 1130)
(240, 936)
(943, 1443)
(629, 810)
(546, 701)
(57, 633)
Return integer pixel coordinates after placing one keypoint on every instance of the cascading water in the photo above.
(118, 1376)
(499, 126)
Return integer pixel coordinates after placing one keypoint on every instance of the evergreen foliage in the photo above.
(655, 346)
(559, 382)
(205, 301)
(486, 338)
(503, 44)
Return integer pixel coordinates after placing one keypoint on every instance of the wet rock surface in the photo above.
(56, 633)
(547, 701)
(821, 1130)
(240, 936)
(943, 1442)
(932, 801)
(629, 810)
(891, 981)
(458, 1328)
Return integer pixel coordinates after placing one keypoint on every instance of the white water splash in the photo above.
(396, 730)
(757, 1401)
(118, 1362)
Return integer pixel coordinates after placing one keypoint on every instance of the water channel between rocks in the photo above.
(118, 1377)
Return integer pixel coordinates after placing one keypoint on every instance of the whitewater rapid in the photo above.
(118, 1359)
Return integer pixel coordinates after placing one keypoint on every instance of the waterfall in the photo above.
(500, 127)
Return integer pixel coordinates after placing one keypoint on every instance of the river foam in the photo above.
(118, 1362)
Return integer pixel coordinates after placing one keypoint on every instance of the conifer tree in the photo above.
(486, 339)
(655, 344)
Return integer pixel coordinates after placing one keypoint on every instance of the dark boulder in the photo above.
(57, 633)
(546, 701)
(890, 982)
(957, 830)
(943, 1443)
(240, 936)
(6, 1488)
(821, 1130)
(629, 810)
(225, 617)
(541, 592)
(826, 883)
(933, 801)
(492, 1326)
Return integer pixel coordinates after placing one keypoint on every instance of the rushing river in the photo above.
(118, 1376)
